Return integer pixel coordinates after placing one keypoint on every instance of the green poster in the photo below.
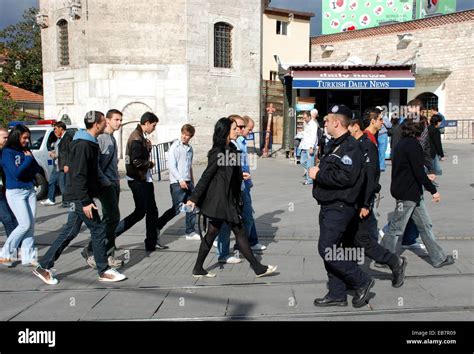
(349, 15)
(430, 7)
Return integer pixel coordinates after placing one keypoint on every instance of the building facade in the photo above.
(192, 61)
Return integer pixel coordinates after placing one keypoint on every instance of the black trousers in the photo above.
(334, 221)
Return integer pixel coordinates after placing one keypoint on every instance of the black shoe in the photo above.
(159, 246)
(398, 273)
(327, 301)
(362, 294)
(449, 260)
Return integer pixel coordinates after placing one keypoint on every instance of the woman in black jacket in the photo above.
(218, 195)
(436, 148)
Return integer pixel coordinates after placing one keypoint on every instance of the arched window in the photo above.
(428, 99)
(63, 43)
(222, 45)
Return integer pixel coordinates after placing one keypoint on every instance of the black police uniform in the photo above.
(366, 235)
(336, 188)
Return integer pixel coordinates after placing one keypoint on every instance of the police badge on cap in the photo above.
(343, 110)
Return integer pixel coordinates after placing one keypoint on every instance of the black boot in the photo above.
(398, 272)
(327, 301)
(362, 294)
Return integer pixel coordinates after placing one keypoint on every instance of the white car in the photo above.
(42, 137)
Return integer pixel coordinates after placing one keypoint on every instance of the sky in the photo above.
(11, 10)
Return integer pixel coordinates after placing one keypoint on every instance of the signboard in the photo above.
(355, 80)
(349, 15)
(430, 7)
(451, 123)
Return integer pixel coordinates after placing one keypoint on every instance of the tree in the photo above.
(8, 108)
(22, 44)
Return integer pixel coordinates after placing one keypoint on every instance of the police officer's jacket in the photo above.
(371, 172)
(340, 176)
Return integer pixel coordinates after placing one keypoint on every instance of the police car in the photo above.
(41, 143)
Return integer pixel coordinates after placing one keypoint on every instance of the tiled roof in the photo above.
(430, 22)
(19, 95)
(285, 12)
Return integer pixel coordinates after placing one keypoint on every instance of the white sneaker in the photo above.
(193, 237)
(214, 244)
(48, 202)
(258, 247)
(45, 275)
(416, 247)
(381, 234)
(230, 260)
(112, 275)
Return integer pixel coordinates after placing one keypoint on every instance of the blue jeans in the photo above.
(437, 166)
(307, 161)
(223, 240)
(69, 232)
(383, 143)
(178, 196)
(57, 177)
(405, 210)
(6, 215)
(22, 202)
(411, 234)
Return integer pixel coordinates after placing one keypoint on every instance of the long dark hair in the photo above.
(13, 141)
(221, 133)
(412, 129)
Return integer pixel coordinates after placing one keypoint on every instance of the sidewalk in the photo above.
(160, 285)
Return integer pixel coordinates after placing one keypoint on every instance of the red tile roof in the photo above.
(430, 22)
(19, 95)
(285, 12)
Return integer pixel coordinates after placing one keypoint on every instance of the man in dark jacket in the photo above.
(81, 189)
(364, 221)
(408, 177)
(138, 166)
(337, 185)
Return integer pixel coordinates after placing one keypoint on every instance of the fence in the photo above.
(159, 158)
(459, 129)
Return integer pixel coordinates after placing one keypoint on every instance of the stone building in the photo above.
(188, 61)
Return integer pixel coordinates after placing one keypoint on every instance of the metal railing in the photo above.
(159, 156)
(459, 129)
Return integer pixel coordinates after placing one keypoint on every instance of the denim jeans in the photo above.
(69, 232)
(145, 206)
(405, 210)
(383, 144)
(178, 196)
(437, 166)
(22, 202)
(307, 161)
(57, 177)
(411, 234)
(6, 215)
(109, 199)
(223, 240)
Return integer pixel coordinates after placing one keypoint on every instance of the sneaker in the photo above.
(415, 246)
(381, 234)
(449, 260)
(258, 247)
(230, 260)
(270, 269)
(45, 275)
(207, 275)
(91, 262)
(6, 262)
(112, 275)
(160, 246)
(193, 237)
(48, 202)
(114, 262)
(214, 244)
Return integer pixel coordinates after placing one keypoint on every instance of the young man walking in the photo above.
(81, 189)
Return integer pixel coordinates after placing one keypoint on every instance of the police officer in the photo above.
(364, 222)
(337, 185)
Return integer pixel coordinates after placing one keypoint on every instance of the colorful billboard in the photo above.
(349, 15)
(430, 7)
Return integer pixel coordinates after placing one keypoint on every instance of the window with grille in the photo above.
(222, 45)
(63, 43)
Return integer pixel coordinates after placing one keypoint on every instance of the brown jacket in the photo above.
(137, 155)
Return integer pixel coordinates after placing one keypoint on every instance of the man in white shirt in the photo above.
(308, 145)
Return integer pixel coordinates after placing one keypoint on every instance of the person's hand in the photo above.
(313, 172)
(436, 198)
(432, 177)
(442, 158)
(152, 164)
(246, 176)
(88, 210)
(66, 169)
(51, 154)
(363, 213)
(191, 204)
(183, 184)
(28, 153)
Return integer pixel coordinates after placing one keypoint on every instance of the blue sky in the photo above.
(11, 10)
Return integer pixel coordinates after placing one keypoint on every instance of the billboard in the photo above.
(349, 15)
(430, 7)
